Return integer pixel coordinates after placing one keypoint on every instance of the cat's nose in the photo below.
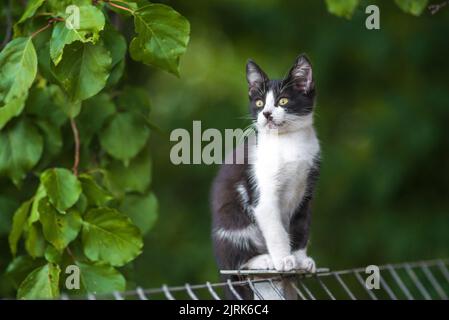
(268, 115)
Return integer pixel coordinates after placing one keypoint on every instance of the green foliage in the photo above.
(414, 7)
(342, 8)
(162, 38)
(62, 187)
(41, 283)
(18, 62)
(346, 8)
(63, 102)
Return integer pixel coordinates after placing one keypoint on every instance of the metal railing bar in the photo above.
(91, 296)
(309, 293)
(325, 288)
(434, 282)
(387, 288)
(362, 282)
(64, 297)
(345, 287)
(191, 294)
(440, 263)
(234, 292)
(300, 294)
(167, 293)
(212, 291)
(141, 294)
(253, 288)
(417, 283)
(443, 270)
(400, 283)
(117, 295)
(276, 289)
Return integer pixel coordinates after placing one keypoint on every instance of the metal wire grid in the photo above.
(403, 281)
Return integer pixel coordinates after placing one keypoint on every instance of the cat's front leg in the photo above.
(276, 237)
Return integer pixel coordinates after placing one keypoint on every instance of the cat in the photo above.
(262, 208)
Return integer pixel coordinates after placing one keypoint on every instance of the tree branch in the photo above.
(434, 8)
(76, 138)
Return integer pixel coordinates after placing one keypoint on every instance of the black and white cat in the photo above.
(262, 208)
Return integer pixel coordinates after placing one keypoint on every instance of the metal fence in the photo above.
(403, 281)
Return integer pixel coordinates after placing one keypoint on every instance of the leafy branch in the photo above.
(55, 80)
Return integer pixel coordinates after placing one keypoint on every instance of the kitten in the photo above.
(262, 208)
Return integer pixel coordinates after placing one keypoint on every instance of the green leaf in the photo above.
(35, 242)
(93, 115)
(62, 187)
(21, 148)
(110, 236)
(52, 139)
(95, 194)
(42, 283)
(91, 22)
(135, 99)
(8, 207)
(142, 210)
(43, 103)
(342, 8)
(124, 136)
(84, 70)
(136, 177)
(52, 254)
(34, 215)
(162, 37)
(59, 229)
(60, 6)
(11, 109)
(18, 62)
(414, 7)
(69, 107)
(20, 267)
(18, 65)
(18, 223)
(115, 43)
(31, 9)
(100, 278)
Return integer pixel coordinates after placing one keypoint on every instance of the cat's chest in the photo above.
(282, 166)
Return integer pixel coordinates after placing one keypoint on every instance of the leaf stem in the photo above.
(118, 6)
(48, 25)
(76, 138)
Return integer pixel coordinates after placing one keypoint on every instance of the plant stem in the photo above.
(76, 138)
(35, 33)
(118, 6)
(48, 25)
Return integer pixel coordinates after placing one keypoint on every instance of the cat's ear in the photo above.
(255, 76)
(301, 75)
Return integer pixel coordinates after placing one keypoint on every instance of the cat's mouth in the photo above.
(274, 125)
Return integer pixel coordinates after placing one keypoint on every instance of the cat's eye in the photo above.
(283, 101)
(259, 103)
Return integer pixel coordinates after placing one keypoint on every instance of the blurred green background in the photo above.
(382, 117)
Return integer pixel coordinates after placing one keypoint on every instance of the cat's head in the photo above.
(283, 105)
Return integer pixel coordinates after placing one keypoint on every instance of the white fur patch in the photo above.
(283, 161)
(242, 238)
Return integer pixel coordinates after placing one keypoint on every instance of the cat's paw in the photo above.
(285, 264)
(261, 262)
(307, 264)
